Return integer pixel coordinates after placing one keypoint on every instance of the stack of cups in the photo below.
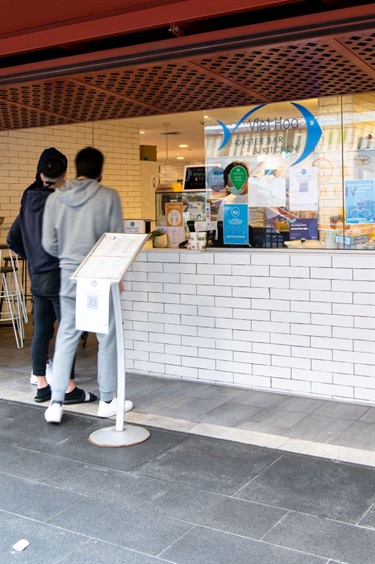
(198, 241)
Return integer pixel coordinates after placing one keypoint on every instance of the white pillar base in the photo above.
(109, 437)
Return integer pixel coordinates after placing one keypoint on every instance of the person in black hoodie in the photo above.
(24, 238)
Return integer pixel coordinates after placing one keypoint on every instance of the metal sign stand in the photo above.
(109, 259)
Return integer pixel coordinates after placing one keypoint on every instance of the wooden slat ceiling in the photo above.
(342, 63)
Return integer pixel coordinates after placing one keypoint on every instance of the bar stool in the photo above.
(11, 308)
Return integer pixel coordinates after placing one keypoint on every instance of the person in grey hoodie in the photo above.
(76, 215)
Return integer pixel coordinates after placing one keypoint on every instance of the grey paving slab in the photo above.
(223, 392)
(47, 544)
(206, 546)
(127, 459)
(369, 519)
(214, 465)
(32, 499)
(261, 399)
(314, 486)
(326, 538)
(98, 552)
(30, 464)
(272, 421)
(300, 405)
(124, 488)
(166, 396)
(229, 414)
(190, 408)
(129, 528)
(10, 411)
(358, 435)
(369, 416)
(317, 428)
(342, 410)
(138, 388)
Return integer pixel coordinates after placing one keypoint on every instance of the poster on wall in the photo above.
(360, 201)
(174, 214)
(303, 189)
(303, 229)
(236, 224)
(267, 191)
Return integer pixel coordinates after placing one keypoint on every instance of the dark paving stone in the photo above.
(126, 459)
(209, 464)
(205, 546)
(129, 528)
(369, 519)
(47, 544)
(315, 486)
(30, 464)
(217, 511)
(98, 552)
(10, 412)
(325, 538)
(32, 499)
(124, 488)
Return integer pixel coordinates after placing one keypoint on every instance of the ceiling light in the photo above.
(184, 146)
(142, 132)
(180, 158)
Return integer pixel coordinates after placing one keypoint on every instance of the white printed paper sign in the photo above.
(92, 305)
(303, 189)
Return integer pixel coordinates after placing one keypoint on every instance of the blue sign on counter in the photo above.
(236, 224)
(303, 229)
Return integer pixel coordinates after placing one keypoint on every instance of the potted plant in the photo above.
(159, 238)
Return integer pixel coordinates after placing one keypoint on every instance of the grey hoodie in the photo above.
(76, 215)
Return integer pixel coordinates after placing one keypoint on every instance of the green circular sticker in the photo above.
(238, 177)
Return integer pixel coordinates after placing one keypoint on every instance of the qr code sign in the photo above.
(92, 302)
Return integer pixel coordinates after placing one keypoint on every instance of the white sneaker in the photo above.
(54, 413)
(34, 381)
(109, 409)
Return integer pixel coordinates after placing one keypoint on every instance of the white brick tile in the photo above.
(198, 300)
(181, 309)
(290, 271)
(225, 344)
(309, 259)
(163, 256)
(272, 371)
(310, 284)
(365, 395)
(352, 286)
(333, 366)
(364, 299)
(332, 390)
(312, 375)
(252, 358)
(364, 322)
(129, 364)
(296, 340)
(164, 298)
(165, 338)
(135, 335)
(270, 327)
(137, 355)
(297, 295)
(259, 282)
(214, 291)
(149, 367)
(292, 362)
(232, 302)
(216, 354)
(318, 330)
(364, 346)
(207, 363)
(359, 261)
(198, 321)
(163, 318)
(253, 292)
(304, 352)
(215, 311)
(239, 367)
(134, 296)
(148, 306)
(330, 343)
(312, 307)
(149, 286)
(368, 274)
(165, 358)
(270, 258)
(240, 324)
(197, 258)
(182, 330)
(179, 289)
(336, 320)
(225, 269)
(364, 370)
(253, 270)
(273, 305)
(139, 266)
(296, 386)
(215, 333)
(147, 326)
(291, 317)
(231, 258)
(363, 334)
(358, 381)
(332, 273)
(264, 348)
(165, 277)
(201, 279)
(179, 350)
(136, 315)
(137, 276)
(339, 297)
(180, 268)
(237, 281)
(260, 382)
(215, 376)
(148, 346)
(354, 309)
(260, 315)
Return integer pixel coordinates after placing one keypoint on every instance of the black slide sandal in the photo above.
(79, 396)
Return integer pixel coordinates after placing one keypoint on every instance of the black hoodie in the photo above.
(25, 235)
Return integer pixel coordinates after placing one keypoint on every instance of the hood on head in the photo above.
(50, 153)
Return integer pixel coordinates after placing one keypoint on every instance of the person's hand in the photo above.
(121, 286)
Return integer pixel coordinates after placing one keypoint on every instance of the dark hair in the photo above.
(89, 162)
(229, 167)
(53, 169)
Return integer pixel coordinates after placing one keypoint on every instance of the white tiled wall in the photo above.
(294, 322)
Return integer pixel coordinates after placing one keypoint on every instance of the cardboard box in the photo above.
(148, 152)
